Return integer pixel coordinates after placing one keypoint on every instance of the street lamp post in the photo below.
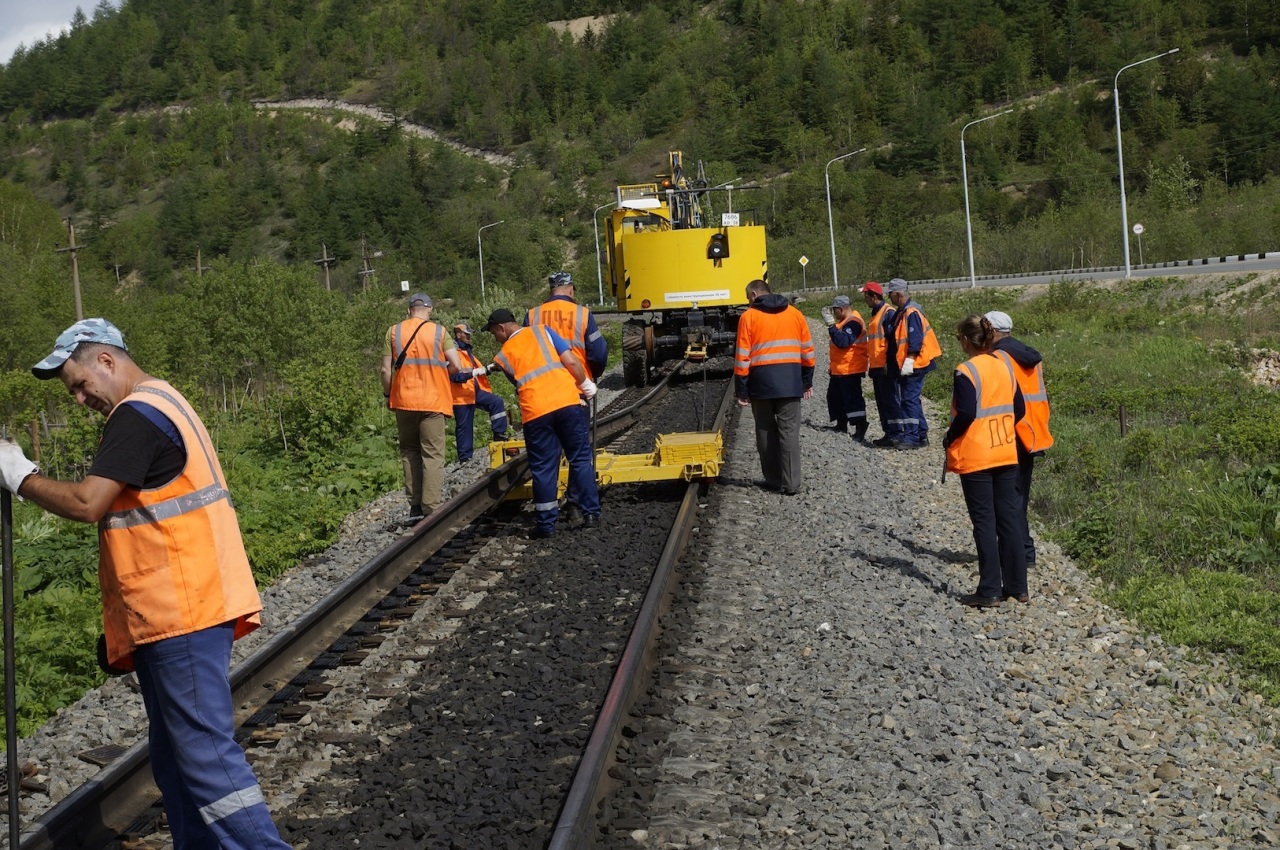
(595, 223)
(835, 278)
(480, 251)
(1124, 208)
(964, 171)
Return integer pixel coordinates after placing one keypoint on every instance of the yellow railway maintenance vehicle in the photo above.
(678, 274)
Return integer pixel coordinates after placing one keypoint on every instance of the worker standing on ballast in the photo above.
(912, 351)
(883, 386)
(1033, 431)
(550, 381)
(471, 389)
(847, 364)
(177, 589)
(418, 359)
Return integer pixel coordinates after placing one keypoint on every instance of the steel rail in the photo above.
(575, 826)
(100, 810)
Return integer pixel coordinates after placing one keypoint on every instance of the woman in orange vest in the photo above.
(847, 363)
(982, 447)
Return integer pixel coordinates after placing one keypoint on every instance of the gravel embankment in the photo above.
(821, 686)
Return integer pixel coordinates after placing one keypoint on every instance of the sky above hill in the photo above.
(29, 21)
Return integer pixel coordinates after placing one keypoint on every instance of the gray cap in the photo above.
(420, 299)
(85, 330)
(1000, 321)
(840, 301)
(896, 285)
(560, 279)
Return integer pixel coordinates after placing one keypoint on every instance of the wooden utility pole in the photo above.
(75, 266)
(200, 267)
(325, 262)
(366, 268)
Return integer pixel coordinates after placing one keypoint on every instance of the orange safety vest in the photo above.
(171, 560)
(877, 348)
(929, 349)
(567, 319)
(851, 360)
(991, 440)
(1033, 429)
(543, 384)
(465, 393)
(772, 339)
(422, 381)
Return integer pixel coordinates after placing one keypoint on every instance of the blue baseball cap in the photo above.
(86, 330)
(420, 299)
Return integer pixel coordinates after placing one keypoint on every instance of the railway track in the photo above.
(417, 604)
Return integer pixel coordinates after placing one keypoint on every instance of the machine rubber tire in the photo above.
(635, 366)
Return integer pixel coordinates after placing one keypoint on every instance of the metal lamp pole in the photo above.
(835, 278)
(480, 251)
(595, 223)
(964, 171)
(1124, 208)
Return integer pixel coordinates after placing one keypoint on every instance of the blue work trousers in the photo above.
(545, 438)
(845, 404)
(995, 509)
(210, 794)
(464, 422)
(914, 428)
(885, 389)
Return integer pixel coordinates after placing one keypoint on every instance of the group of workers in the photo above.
(999, 410)
(428, 378)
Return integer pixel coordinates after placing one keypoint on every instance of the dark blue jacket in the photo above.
(915, 339)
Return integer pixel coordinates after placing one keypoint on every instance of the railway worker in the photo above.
(883, 385)
(912, 350)
(418, 359)
(1033, 431)
(773, 370)
(176, 585)
(982, 447)
(572, 322)
(471, 389)
(847, 365)
(549, 378)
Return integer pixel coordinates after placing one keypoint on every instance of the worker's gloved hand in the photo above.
(908, 367)
(479, 372)
(587, 388)
(828, 316)
(14, 466)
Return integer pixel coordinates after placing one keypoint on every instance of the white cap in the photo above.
(1000, 321)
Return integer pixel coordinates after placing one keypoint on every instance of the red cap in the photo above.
(872, 286)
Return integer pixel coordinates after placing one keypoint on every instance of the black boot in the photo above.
(841, 427)
(860, 434)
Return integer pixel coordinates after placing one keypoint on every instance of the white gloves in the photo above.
(828, 316)
(479, 372)
(14, 466)
(587, 388)
(908, 367)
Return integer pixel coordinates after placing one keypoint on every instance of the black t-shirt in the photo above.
(140, 448)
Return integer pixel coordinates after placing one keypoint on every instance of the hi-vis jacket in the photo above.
(171, 560)
(848, 348)
(464, 389)
(1033, 430)
(422, 381)
(991, 439)
(877, 347)
(924, 348)
(774, 355)
(576, 326)
(543, 384)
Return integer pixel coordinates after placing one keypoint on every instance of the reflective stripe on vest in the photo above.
(465, 393)
(929, 348)
(543, 384)
(991, 439)
(422, 381)
(851, 360)
(171, 559)
(760, 340)
(1033, 429)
